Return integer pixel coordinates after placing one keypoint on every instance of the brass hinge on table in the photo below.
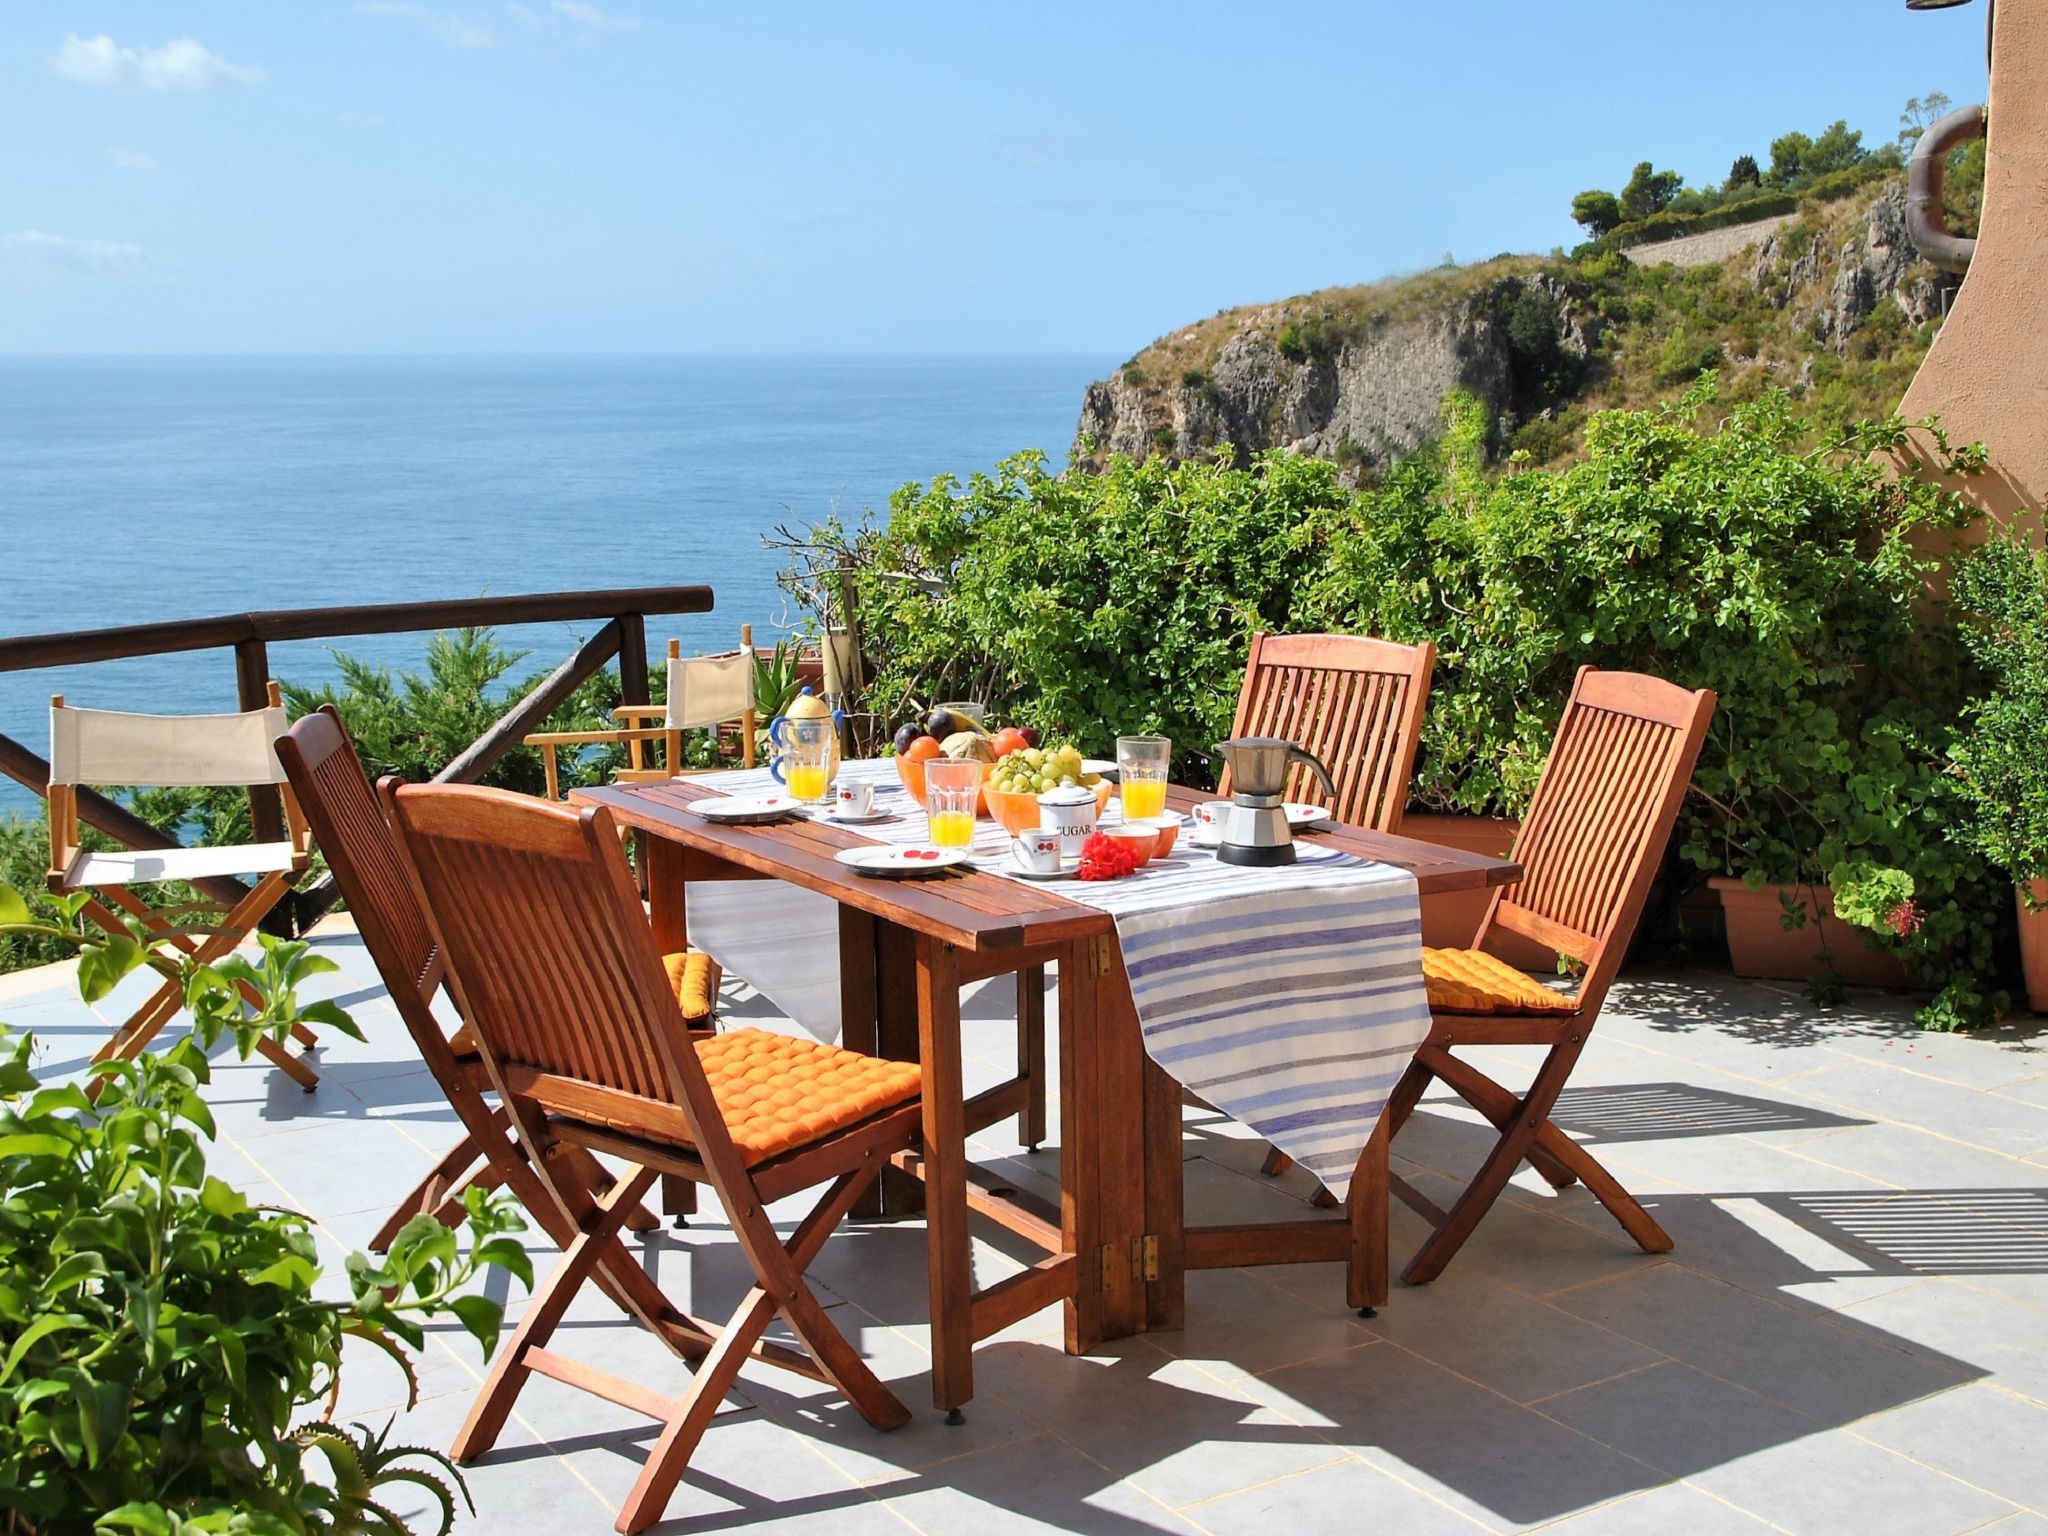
(1101, 954)
(1142, 1257)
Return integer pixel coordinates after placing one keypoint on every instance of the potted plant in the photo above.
(2001, 594)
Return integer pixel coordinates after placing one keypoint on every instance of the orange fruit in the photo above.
(923, 750)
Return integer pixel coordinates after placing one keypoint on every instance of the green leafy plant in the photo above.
(1708, 545)
(160, 1339)
(2001, 589)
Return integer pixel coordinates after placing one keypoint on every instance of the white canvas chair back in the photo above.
(103, 746)
(709, 690)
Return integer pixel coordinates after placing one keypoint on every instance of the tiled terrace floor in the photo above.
(1851, 1336)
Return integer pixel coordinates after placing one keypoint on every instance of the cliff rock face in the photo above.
(1359, 375)
(1364, 393)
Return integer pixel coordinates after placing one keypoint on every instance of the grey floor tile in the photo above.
(1996, 1337)
(1661, 1511)
(1337, 1500)
(1677, 1419)
(1170, 1428)
(1979, 1434)
(1908, 1158)
(1834, 1482)
(1518, 1346)
(1041, 1484)
(1499, 1463)
(1834, 1371)
(1238, 1324)
(1965, 1114)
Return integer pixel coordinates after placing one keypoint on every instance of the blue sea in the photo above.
(139, 489)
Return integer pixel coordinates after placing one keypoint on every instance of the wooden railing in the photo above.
(624, 635)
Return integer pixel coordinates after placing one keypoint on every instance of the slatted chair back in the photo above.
(1603, 812)
(347, 822)
(552, 959)
(1355, 702)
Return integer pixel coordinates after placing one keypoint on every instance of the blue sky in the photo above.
(643, 175)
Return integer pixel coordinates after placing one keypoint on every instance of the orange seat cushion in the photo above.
(694, 976)
(1472, 981)
(781, 1091)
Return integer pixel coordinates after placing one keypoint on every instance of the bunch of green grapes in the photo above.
(1036, 769)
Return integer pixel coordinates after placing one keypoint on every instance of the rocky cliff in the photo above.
(1836, 303)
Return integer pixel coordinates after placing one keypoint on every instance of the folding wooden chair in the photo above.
(552, 959)
(1357, 704)
(105, 747)
(1589, 848)
(321, 764)
(703, 692)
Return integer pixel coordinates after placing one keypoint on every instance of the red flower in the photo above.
(1104, 858)
(1904, 919)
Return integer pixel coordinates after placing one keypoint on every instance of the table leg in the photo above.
(859, 1015)
(947, 1241)
(898, 1037)
(1103, 1146)
(1166, 1276)
(668, 915)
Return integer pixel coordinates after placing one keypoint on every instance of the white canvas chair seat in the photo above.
(113, 748)
(143, 866)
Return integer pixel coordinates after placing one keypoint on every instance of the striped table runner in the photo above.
(1289, 998)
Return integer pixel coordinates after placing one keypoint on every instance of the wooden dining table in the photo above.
(1116, 1247)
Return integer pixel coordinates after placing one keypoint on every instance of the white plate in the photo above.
(1017, 871)
(855, 821)
(740, 809)
(900, 863)
(1299, 815)
(1100, 765)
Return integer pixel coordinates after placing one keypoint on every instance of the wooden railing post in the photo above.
(632, 658)
(266, 809)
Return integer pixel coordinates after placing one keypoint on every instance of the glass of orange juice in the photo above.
(950, 791)
(804, 759)
(1141, 763)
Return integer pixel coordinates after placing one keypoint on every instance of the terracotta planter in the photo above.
(1451, 920)
(2034, 943)
(1760, 946)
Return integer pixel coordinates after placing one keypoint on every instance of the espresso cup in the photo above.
(1209, 819)
(856, 798)
(1038, 850)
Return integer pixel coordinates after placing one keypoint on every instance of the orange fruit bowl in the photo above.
(912, 775)
(1018, 810)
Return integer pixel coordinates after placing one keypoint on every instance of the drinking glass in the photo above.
(803, 759)
(950, 791)
(1141, 763)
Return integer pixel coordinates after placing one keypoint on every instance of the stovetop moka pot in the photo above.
(1255, 832)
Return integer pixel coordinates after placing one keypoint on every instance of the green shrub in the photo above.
(2001, 588)
(160, 1340)
(1722, 557)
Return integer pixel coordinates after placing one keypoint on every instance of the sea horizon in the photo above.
(165, 486)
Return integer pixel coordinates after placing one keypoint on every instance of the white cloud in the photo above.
(590, 16)
(454, 28)
(182, 64)
(581, 23)
(132, 160)
(1039, 152)
(75, 255)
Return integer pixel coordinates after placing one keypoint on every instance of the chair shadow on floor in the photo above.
(1929, 1231)
(1662, 1111)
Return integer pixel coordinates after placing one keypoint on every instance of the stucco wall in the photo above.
(1987, 374)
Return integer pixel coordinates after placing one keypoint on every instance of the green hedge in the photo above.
(1722, 557)
(1671, 226)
